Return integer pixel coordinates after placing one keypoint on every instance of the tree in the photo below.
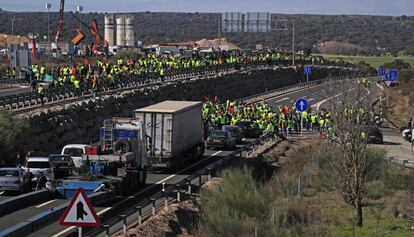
(12, 134)
(350, 104)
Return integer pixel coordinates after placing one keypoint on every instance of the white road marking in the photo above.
(173, 175)
(72, 227)
(64, 231)
(1, 193)
(286, 98)
(318, 105)
(44, 204)
(159, 182)
(311, 99)
(104, 210)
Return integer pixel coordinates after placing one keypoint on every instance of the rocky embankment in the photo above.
(79, 122)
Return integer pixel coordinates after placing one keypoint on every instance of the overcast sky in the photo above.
(365, 7)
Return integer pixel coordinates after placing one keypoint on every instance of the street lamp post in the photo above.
(48, 6)
(80, 10)
(14, 17)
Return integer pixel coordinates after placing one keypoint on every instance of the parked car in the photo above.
(249, 129)
(221, 139)
(11, 179)
(62, 165)
(235, 130)
(374, 135)
(76, 151)
(38, 165)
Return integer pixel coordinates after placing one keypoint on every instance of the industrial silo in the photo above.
(109, 29)
(129, 30)
(120, 30)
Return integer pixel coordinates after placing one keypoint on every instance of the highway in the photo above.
(315, 95)
(154, 179)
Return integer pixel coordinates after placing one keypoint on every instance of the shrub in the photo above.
(236, 205)
(12, 133)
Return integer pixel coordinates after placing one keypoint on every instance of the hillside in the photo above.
(364, 34)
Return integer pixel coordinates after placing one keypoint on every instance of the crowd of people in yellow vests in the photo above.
(92, 74)
(282, 121)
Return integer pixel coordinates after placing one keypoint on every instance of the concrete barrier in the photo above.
(13, 204)
(45, 218)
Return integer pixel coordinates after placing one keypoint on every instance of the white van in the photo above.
(39, 165)
(76, 151)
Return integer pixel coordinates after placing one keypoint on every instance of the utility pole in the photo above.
(14, 17)
(48, 6)
(219, 31)
(293, 42)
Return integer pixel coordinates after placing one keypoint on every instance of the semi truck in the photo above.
(164, 135)
(174, 133)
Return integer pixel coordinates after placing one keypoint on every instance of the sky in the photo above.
(362, 7)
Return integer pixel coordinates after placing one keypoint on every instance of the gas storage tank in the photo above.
(120, 30)
(129, 30)
(109, 29)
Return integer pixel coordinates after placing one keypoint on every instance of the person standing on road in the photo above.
(41, 181)
(27, 181)
(41, 93)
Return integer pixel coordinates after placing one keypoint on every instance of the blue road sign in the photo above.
(382, 71)
(394, 74)
(302, 105)
(388, 77)
(307, 70)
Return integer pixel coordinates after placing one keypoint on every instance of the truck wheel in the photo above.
(122, 145)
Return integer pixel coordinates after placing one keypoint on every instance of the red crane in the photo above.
(60, 22)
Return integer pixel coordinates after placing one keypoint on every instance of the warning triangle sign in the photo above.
(388, 83)
(80, 212)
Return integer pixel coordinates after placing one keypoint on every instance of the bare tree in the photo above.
(349, 103)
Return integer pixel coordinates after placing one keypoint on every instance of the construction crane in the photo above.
(60, 22)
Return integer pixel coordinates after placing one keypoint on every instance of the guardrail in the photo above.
(29, 100)
(402, 162)
(13, 204)
(4, 82)
(45, 218)
(173, 193)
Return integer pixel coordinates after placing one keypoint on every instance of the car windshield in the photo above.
(38, 164)
(59, 158)
(9, 173)
(73, 151)
(219, 134)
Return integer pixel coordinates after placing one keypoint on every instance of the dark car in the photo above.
(235, 130)
(221, 139)
(374, 135)
(249, 129)
(62, 165)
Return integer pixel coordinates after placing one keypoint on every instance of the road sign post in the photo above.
(307, 70)
(80, 213)
(301, 105)
(382, 71)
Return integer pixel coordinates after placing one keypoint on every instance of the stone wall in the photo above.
(80, 122)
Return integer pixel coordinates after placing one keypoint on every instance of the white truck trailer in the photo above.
(174, 132)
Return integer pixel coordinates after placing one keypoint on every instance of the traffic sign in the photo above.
(388, 77)
(388, 83)
(301, 105)
(382, 71)
(394, 74)
(307, 70)
(80, 212)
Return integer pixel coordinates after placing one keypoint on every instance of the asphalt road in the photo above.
(316, 96)
(154, 178)
(14, 90)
